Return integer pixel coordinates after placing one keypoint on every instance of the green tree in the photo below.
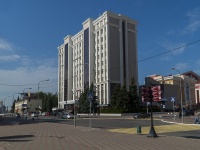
(133, 100)
(13, 106)
(83, 103)
(124, 98)
(49, 101)
(115, 101)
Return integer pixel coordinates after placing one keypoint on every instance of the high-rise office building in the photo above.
(104, 53)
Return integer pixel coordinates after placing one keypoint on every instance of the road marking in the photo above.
(158, 129)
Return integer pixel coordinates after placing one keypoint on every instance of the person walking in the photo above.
(196, 117)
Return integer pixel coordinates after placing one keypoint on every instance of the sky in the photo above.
(168, 35)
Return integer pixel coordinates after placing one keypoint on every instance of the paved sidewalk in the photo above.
(55, 136)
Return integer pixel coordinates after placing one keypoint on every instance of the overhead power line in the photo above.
(128, 64)
(169, 51)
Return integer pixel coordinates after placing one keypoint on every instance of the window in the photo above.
(101, 31)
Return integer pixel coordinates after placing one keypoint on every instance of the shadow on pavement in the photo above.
(16, 138)
(192, 137)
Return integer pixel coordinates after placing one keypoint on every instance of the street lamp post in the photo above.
(23, 102)
(4, 100)
(13, 104)
(75, 91)
(180, 93)
(38, 92)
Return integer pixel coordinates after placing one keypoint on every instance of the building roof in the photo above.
(192, 74)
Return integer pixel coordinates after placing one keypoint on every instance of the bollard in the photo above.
(138, 129)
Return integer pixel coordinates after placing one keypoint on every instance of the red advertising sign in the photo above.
(156, 99)
(155, 88)
(156, 93)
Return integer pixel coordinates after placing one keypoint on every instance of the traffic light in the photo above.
(146, 94)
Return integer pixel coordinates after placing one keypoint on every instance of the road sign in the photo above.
(172, 99)
(90, 96)
(146, 94)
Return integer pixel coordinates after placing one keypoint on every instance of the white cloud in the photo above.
(9, 58)
(174, 48)
(193, 22)
(26, 72)
(6, 46)
(181, 66)
(15, 80)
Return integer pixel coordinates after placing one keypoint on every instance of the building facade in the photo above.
(197, 92)
(182, 87)
(104, 53)
(29, 103)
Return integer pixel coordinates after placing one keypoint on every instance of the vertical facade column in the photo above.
(121, 52)
(59, 77)
(126, 55)
(108, 56)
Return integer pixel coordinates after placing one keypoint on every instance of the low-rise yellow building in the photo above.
(29, 103)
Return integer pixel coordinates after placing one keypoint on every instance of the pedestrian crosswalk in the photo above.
(159, 129)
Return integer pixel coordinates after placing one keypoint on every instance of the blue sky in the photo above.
(31, 31)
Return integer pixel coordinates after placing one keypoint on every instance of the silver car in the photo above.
(67, 116)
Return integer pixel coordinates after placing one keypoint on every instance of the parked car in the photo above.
(59, 114)
(3, 114)
(44, 114)
(34, 115)
(141, 115)
(17, 115)
(67, 116)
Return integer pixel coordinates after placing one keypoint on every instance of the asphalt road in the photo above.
(113, 122)
(127, 124)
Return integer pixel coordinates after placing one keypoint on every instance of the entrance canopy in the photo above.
(69, 102)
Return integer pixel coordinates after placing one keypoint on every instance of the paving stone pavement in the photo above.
(55, 136)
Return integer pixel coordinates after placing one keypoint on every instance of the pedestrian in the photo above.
(196, 117)
(180, 114)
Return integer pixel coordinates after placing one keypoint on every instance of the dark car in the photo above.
(141, 115)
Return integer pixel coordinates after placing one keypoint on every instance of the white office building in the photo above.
(104, 53)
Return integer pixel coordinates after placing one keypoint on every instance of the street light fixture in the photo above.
(23, 102)
(38, 91)
(180, 92)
